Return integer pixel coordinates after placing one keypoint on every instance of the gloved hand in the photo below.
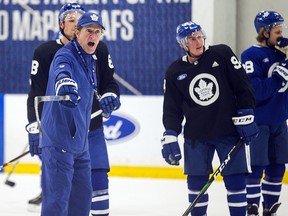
(108, 103)
(281, 71)
(245, 125)
(282, 45)
(33, 138)
(282, 42)
(170, 148)
(67, 86)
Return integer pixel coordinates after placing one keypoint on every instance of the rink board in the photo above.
(133, 134)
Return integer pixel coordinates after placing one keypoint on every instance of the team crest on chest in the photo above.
(204, 89)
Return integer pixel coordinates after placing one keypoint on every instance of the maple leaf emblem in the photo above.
(204, 90)
(94, 17)
(266, 14)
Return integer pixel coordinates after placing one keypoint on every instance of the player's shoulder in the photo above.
(219, 48)
(178, 64)
(49, 46)
(101, 47)
(253, 48)
(254, 51)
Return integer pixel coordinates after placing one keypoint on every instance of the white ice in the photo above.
(128, 197)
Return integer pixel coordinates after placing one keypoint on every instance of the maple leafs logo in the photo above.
(94, 17)
(204, 90)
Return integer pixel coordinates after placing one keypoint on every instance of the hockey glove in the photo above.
(282, 45)
(33, 138)
(245, 125)
(282, 42)
(108, 103)
(67, 86)
(281, 71)
(170, 148)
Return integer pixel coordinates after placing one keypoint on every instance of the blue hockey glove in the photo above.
(33, 138)
(108, 103)
(245, 125)
(281, 71)
(282, 42)
(67, 86)
(170, 148)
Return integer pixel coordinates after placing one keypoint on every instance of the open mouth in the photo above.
(91, 44)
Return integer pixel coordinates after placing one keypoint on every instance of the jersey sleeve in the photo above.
(105, 80)
(264, 87)
(105, 71)
(172, 105)
(238, 78)
(38, 83)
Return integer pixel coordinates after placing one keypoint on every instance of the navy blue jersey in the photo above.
(271, 94)
(206, 93)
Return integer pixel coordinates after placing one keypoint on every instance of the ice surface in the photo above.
(128, 197)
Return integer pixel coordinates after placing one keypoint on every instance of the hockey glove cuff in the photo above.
(33, 138)
(170, 148)
(245, 125)
(281, 71)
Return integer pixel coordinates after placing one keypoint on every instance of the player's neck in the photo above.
(191, 59)
(64, 40)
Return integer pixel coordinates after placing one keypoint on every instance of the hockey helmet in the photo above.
(69, 7)
(267, 20)
(185, 29)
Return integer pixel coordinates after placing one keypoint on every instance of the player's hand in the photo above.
(282, 45)
(170, 148)
(67, 86)
(245, 125)
(33, 138)
(282, 42)
(281, 71)
(108, 103)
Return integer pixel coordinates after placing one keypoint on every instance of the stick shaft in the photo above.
(15, 165)
(95, 114)
(39, 99)
(11, 161)
(213, 177)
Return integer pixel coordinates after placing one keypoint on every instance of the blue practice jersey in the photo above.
(270, 93)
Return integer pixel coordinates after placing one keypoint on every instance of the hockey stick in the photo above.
(98, 112)
(213, 177)
(15, 159)
(126, 84)
(7, 181)
(39, 99)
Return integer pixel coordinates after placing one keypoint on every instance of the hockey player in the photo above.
(43, 55)
(267, 70)
(208, 87)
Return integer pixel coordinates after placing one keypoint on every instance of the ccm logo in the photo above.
(119, 128)
(243, 120)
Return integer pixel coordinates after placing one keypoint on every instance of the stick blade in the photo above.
(10, 183)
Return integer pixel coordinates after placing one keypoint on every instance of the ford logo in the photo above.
(119, 128)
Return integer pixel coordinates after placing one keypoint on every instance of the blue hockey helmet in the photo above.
(185, 29)
(267, 20)
(69, 7)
